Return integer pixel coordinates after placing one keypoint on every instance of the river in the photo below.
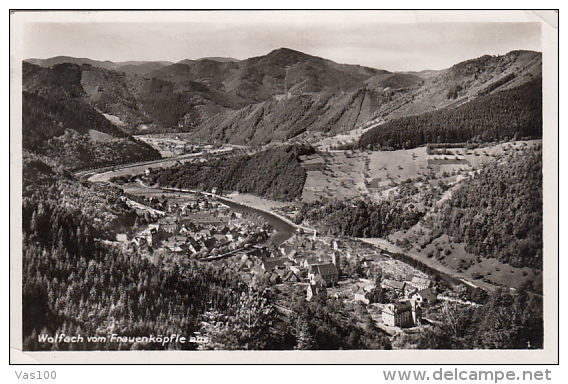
(283, 227)
(284, 230)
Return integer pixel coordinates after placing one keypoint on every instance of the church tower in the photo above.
(336, 259)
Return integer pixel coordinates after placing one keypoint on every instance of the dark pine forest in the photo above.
(514, 113)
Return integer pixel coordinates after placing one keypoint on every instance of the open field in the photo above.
(343, 138)
(167, 145)
(475, 268)
(341, 178)
(134, 169)
(95, 176)
(348, 174)
(496, 272)
(387, 168)
(149, 192)
(442, 251)
(431, 262)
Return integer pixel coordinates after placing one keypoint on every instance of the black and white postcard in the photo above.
(204, 186)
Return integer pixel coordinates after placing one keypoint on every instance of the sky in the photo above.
(403, 41)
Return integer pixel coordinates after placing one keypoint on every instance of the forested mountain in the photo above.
(74, 283)
(462, 83)
(58, 121)
(498, 213)
(139, 67)
(284, 93)
(515, 112)
(360, 218)
(505, 321)
(76, 286)
(280, 120)
(54, 100)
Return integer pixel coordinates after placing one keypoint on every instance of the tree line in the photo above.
(508, 114)
(360, 218)
(56, 120)
(274, 174)
(498, 213)
(75, 151)
(74, 284)
(505, 321)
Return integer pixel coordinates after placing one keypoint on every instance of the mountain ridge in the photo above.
(282, 94)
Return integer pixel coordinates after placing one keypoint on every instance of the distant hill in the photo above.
(344, 97)
(393, 80)
(55, 101)
(141, 67)
(285, 118)
(261, 78)
(138, 67)
(284, 93)
(462, 83)
(220, 59)
(58, 121)
(46, 63)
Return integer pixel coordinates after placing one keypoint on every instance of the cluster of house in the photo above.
(322, 265)
(288, 263)
(188, 204)
(407, 312)
(196, 229)
(303, 259)
(258, 262)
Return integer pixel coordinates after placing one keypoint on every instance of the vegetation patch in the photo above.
(275, 174)
(511, 113)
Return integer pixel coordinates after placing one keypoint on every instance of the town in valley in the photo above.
(283, 201)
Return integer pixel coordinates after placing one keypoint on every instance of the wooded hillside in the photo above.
(275, 174)
(504, 115)
(57, 121)
(498, 213)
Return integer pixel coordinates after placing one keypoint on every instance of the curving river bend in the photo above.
(283, 226)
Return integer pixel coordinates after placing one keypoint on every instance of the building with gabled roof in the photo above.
(272, 263)
(402, 314)
(361, 296)
(273, 278)
(290, 277)
(328, 272)
(313, 290)
(393, 284)
(309, 261)
(424, 296)
(421, 282)
(257, 269)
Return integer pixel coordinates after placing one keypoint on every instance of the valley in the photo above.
(316, 195)
(348, 174)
